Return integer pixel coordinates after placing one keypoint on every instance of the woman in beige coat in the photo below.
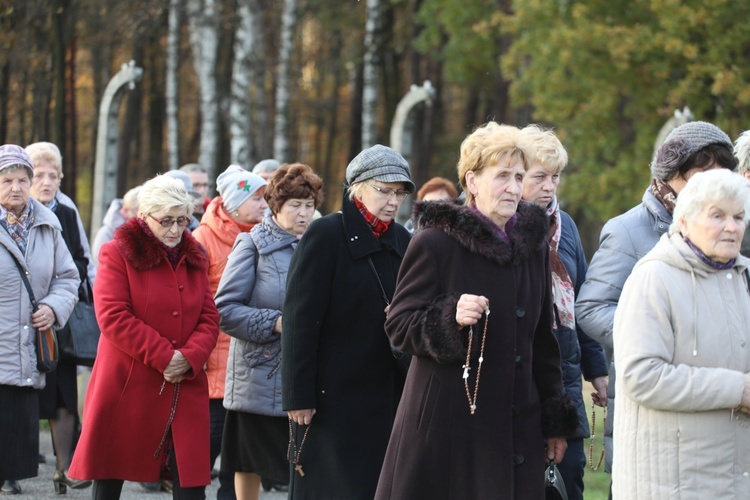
(682, 351)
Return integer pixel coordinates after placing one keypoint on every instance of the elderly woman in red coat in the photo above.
(146, 411)
(484, 394)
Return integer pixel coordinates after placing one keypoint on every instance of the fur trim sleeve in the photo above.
(442, 335)
(559, 417)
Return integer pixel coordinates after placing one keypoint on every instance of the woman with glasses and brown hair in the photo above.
(341, 382)
(146, 410)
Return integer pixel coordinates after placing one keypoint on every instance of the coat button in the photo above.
(25, 327)
(518, 459)
(746, 474)
(729, 276)
(28, 380)
(515, 410)
(181, 287)
(517, 359)
(267, 353)
(520, 312)
(174, 342)
(175, 313)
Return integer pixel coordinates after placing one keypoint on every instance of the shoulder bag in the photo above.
(84, 330)
(47, 353)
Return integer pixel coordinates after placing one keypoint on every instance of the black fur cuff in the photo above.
(559, 417)
(442, 335)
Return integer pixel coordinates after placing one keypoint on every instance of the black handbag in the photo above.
(47, 351)
(554, 486)
(84, 330)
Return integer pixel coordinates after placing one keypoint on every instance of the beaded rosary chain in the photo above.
(593, 436)
(293, 454)
(467, 365)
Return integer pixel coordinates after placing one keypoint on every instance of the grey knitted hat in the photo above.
(681, 143)
(382, 164)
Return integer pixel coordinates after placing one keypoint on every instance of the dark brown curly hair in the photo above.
(293, 180)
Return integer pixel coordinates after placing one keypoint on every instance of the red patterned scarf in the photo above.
(377, 226)
(563, 292)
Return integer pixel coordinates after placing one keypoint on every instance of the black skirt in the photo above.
(19, 432)
(256, 443)
(61, 390)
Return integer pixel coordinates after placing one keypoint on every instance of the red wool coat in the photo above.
(146, 311)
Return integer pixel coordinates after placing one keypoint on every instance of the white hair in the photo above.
(130, 200)
(163, 193)
(45, 151)
(742, 152)
(708, 187)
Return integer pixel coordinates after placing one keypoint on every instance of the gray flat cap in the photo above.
(382, 164)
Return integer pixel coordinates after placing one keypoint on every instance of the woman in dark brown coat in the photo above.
(481, 432)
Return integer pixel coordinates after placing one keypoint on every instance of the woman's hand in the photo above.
(277, 325)
(43, 318)
(176, 369)
(301, 417)
(556, 449)
(470, 308)
(600, 386)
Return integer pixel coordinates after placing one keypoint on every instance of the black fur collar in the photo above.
(144, 252)
(479, 236)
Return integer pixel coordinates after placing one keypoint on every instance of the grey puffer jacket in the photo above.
(250, 298)
(624, 240)
(54, 280)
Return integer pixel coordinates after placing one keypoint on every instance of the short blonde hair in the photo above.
(163, 193)
(550, 153)
(489, 145)
(708, 187)
(45, 151)
(355, 190)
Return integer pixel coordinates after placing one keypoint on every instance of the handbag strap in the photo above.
(25, 281)
(380, 283)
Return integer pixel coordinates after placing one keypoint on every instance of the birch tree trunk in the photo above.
(240, 105)
(263, 144)
(370, 75)
(172, 84)
(203, 18)
(281, 132)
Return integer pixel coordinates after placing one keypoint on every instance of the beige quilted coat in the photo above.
(682, 344)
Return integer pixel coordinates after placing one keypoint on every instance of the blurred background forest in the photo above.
(237, 81)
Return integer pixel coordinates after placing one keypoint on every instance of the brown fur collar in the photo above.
(478, 235)
(144, 252)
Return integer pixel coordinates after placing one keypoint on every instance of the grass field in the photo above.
(596, 483)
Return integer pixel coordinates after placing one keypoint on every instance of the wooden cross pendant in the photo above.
(298, 468)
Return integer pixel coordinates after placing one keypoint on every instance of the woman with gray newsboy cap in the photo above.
(31, 237)
(341, 382)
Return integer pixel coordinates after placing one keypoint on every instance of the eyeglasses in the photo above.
(388, 192)
(169, 222)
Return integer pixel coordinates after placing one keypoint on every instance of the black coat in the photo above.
(61, 388)
(336, 357)
(438, 450)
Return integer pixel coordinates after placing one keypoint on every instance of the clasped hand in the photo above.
(470, 309)
(176, 369)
